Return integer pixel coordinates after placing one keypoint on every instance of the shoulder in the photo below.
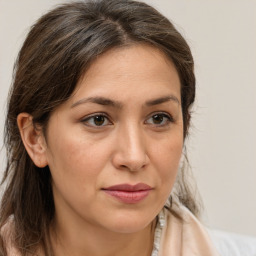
(185, 236)
(6, 234)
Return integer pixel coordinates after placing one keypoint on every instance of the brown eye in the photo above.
(99, 120)
(157, 119)
(96, 121)
(160, 119)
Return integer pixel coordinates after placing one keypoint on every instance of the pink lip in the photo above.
(127, 193)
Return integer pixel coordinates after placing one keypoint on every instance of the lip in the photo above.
(127, 193)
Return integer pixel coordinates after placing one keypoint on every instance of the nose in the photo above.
(131, 151)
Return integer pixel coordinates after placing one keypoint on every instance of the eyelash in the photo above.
(167, 118)
(164, 116)
(92, 117)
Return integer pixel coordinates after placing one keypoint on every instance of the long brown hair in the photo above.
(56, 53)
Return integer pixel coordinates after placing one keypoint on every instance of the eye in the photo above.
(97, 120)
(159, 119)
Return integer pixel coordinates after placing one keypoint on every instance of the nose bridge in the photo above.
(134, 139)
(131, 146)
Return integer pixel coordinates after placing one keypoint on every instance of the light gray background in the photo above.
(222, 145)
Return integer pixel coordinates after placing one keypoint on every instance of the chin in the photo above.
(125, 229)
(131, 224)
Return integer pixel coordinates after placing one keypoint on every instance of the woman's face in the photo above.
(114, 147)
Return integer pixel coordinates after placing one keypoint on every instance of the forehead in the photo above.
(133, 70)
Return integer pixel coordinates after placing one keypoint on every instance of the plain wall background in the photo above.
(222, 144)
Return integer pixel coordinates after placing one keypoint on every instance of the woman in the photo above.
(97, 118)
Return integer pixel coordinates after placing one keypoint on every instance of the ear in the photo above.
(33, 139)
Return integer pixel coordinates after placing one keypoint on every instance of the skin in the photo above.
(136, 138)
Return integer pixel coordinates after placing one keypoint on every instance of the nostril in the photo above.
(132, 166)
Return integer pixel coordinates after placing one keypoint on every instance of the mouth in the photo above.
(127, 193)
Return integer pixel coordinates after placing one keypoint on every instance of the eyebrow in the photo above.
(99, 100)
(162, 100)
(117, 104)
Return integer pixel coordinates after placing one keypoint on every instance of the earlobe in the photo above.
(33, 139)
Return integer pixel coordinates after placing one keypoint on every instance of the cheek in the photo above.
(76, 161)
(76, 170)
(166, 155)
(76, 158)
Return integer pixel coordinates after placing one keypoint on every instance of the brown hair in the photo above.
(56, 53)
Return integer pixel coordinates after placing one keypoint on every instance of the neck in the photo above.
(95, 241)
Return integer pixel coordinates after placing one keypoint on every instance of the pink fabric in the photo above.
(7, 235)
(185, 238)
